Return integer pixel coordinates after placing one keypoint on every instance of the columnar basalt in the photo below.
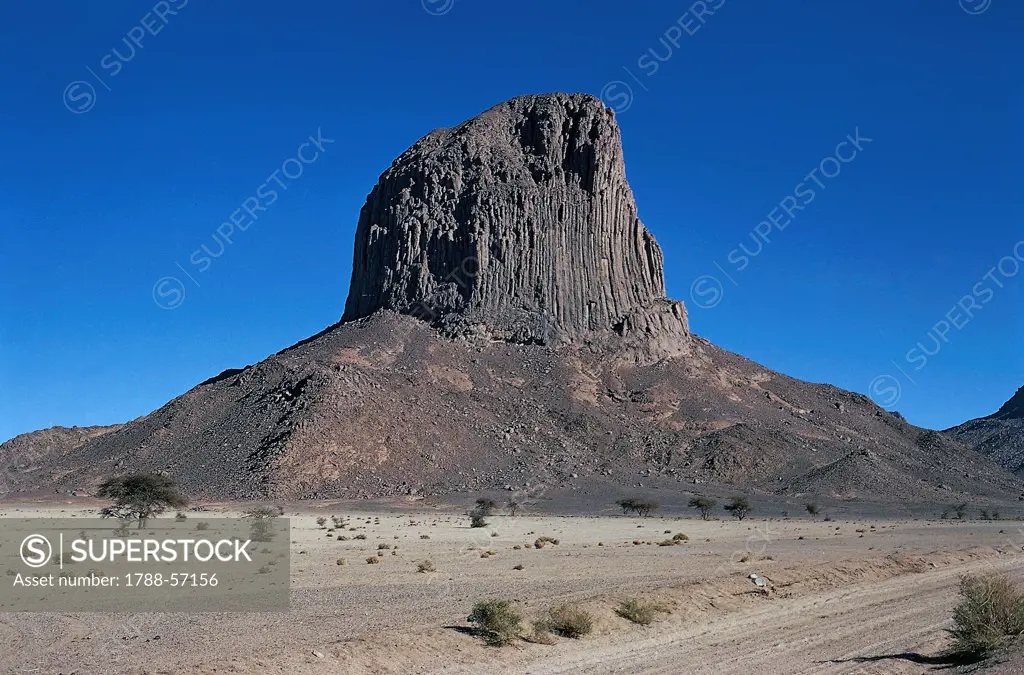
(520, 223)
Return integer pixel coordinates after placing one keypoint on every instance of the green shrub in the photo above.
(990, 612)
(496, 621)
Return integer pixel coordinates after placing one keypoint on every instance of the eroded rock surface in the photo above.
(518, 223)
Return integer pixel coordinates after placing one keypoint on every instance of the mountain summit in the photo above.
(518, 223)
(1012, 409)
(507, 329)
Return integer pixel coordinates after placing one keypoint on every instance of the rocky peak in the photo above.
(1012, 409)
(518, 223)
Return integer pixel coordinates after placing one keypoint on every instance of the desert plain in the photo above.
(841, 594)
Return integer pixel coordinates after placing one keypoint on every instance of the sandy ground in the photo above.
(837, 591)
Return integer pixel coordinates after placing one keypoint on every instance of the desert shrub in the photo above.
(372, 560)
(517, 567)
(812, 508)
(339, 523)
(383, 547)
(989, 613)
(569, 621)
(424, 536)
(339, 562)
(513, 507)
(485, 506)
(477, 519)
(496, 621)
(359, 536)
(703, 505)
(200, 526)
(321, 521)
(426, 566)
(739, 507)
(540, 635)
(180, 517)
(637, 611)
(961, 511)
(342, 537)
(541, 541)
(679, 536)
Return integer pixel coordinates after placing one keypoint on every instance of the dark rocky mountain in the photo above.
(507, 328)
(1000, 436)
(29, 453)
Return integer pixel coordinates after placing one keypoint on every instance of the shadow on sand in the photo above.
(943, 660)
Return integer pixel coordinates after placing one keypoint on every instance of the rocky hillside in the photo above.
(1000, 436)
(27, 454)
(507, 328)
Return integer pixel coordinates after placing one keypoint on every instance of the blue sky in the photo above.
(121, 164)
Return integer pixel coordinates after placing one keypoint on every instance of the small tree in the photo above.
(644, 507)
(513, 507)
(140, 496)
(739, 507)
(704, 505)
(812, 508)
(961, 511)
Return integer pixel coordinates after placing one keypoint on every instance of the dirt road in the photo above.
(816, 635)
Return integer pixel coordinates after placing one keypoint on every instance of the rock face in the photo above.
(999, 436)
(518, 223)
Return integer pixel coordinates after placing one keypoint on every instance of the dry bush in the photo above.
(426, 566)
(990, 612)
(638, 611)
(372, 560)
(496, 621)
(569, 621)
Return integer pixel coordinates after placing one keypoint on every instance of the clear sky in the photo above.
(130, 134)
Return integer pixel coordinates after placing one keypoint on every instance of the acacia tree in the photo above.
(641, 507)
(704, 505)
(739, 507)
(140, 496)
